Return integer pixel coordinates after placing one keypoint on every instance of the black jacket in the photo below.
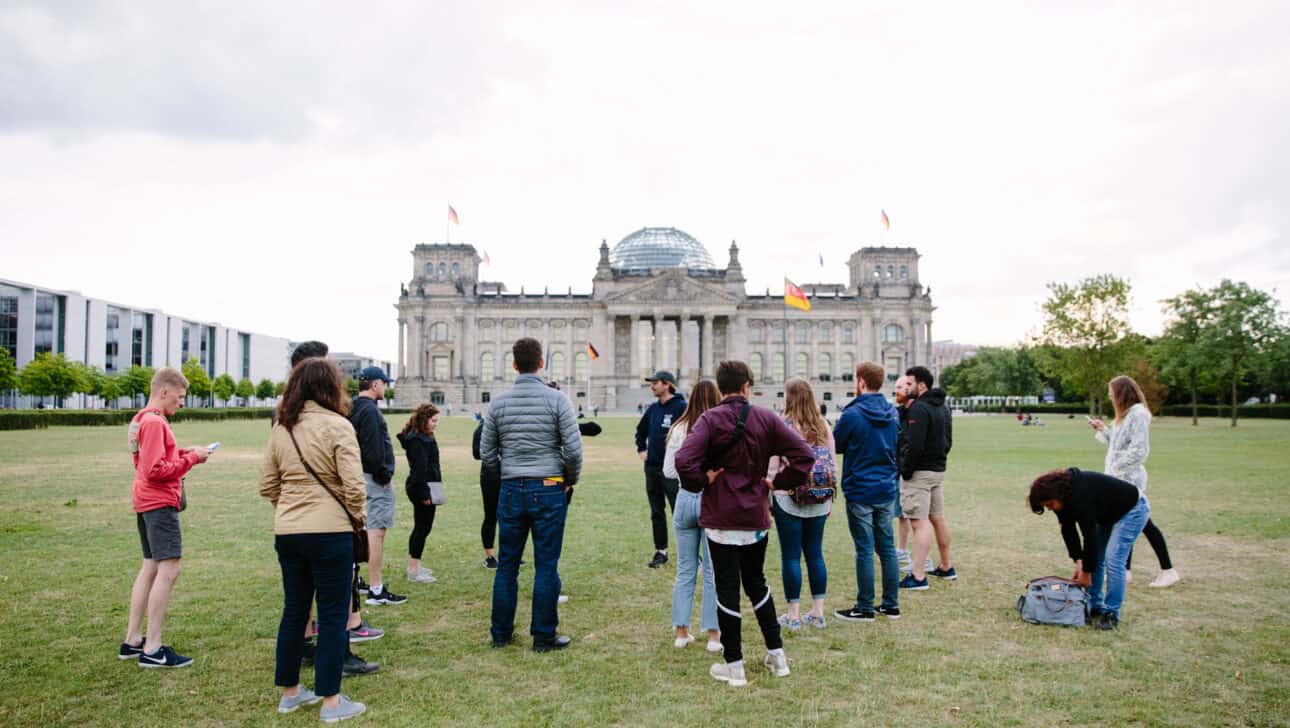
(373, 440)
(1096, 502)
(902, 414)
(423, 464)
(485, 478)
(929, 434)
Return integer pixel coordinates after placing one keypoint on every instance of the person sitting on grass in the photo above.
(1109, 514)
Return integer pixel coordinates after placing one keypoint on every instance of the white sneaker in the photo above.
(732, 675)
(1128, 576)
(681, 642)
(777, 664)
(421, 576)
(1168, 577)
(714, 646)
(905, 562)
(562, 599)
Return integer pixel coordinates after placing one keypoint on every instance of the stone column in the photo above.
(813, 369)
(931, 353)
(707, 364)
(499, 351)
(608, 352)
(680, 345)
(914, 343)
(418, 346)
(658, 340)
(469, 347)
(572, 356)
(634, 346)
(403, 325)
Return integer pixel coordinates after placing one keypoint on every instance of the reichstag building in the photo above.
(658, 301)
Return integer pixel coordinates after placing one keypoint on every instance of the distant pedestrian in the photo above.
(422, 450)
(158, 496)
(651, 443)
(725, 457)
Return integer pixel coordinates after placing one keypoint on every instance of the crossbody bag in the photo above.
(360, 533)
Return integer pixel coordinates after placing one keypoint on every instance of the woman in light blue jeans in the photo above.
(691, 545)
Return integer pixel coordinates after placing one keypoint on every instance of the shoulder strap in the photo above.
(740, 423)
(331, 492)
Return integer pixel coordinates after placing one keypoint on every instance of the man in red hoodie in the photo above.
(725, 457)
(159, 469)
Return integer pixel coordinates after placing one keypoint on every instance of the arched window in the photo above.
(439, 331)
(756, 334)
(825, 367)
(456, 270)
(848, 334)
(508, 371)
(802, 366)
(755, 363)
(877, 271)
(847, 365)
(892, 334)
(826, 332)
(443, 270)
(904, 271)
(486, 371)
(580, 363)
(777, 334)
(891, 271)
(803, 333)
(429, 269)
(556, 365)
(777, 371)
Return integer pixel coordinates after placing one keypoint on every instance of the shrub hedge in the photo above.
(35, 419)
(1280, 411)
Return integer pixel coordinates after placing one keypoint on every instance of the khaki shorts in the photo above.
(921, 496)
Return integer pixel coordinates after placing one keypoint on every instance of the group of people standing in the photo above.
(726, 467)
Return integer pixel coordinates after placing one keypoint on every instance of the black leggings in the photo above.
(488, 529)
(730, 566)
(1157, 541)
(422, 522)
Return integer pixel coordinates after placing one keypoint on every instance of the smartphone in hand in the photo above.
(212, 447)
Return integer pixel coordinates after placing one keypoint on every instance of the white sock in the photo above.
(778, 653)
(736, 664)
(376, 588)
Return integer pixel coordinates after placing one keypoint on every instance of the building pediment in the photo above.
(672, 287)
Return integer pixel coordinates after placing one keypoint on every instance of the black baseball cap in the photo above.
(663, 375)
(371, 374)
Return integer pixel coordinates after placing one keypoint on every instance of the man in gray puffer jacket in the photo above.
(531, 439)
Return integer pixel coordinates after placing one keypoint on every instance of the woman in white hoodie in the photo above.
(1128, 444)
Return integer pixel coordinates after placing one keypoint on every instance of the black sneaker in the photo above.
(854, 615)
(1094, 616)
(909, 582)
(490, 563)
(559, 643)
(499, 644)
(385, 597)
(129, 651)
(659, 559)
(363, 587)
(164, 657)
(1108, 621)
(948, 574)
(355, 665)
(889, 612)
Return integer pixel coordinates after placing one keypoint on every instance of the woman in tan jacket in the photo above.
(313, 525)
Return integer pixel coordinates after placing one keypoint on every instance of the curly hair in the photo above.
(420, 416)
(1053, 485)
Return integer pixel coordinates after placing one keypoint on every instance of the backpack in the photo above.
(821, 484)
(1053, 600)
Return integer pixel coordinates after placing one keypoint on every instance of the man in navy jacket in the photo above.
(651, 443)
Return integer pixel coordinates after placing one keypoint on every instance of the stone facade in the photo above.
(455, 331)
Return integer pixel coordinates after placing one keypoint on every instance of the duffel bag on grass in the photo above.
(1054, 600)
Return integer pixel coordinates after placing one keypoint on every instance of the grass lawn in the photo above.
(1214, 650)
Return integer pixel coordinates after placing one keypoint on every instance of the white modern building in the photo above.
(114, 337)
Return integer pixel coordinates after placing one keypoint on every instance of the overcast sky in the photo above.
(270, 165)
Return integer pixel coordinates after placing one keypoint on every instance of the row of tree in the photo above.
(1225, 342)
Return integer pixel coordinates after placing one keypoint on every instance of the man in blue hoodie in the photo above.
(651, 442)
(866, 435)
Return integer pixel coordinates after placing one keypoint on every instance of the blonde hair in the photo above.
(803, 412)
(1125, 393)
(168, 378)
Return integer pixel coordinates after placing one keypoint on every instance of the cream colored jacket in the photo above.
(301, 505)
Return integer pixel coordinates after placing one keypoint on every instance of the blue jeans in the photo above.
(871, 530)
(524, 505)
(321, 564)
(691, 547)
(798, 536)
(1111, 568)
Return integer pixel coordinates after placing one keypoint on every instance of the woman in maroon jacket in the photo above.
(725, 456)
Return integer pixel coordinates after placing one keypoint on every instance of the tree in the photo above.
(279, 388)
(1146, 377)
(266, 389)
(1178, 352)
(1086, 335)
(8, 371)
(1275, 375)
(245, 390)
(389, 395)
(49, 375)
(223, 387)
(199, 384)
(351, 386)
(109, 387)
(1244, 323)
(136, 381)
(994, 371)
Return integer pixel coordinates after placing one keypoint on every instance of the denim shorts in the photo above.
(380, 504)
(159, 534)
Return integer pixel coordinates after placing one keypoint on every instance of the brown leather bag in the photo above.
(360, 533)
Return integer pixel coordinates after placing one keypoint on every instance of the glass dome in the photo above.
(660, 247)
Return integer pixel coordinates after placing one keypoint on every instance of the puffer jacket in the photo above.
(301, 505)
(530, 431)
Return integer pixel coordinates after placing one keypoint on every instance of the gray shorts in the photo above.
(159, 534)
(922, 495)
(380, 504)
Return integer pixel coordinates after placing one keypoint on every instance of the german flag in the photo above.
(591, 351)
(795, 297)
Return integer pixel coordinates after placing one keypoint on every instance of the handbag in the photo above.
(1054, 600)
(437, 494)
(360, 533)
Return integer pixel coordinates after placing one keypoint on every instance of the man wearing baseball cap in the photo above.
(378, 470)
(651, 442)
